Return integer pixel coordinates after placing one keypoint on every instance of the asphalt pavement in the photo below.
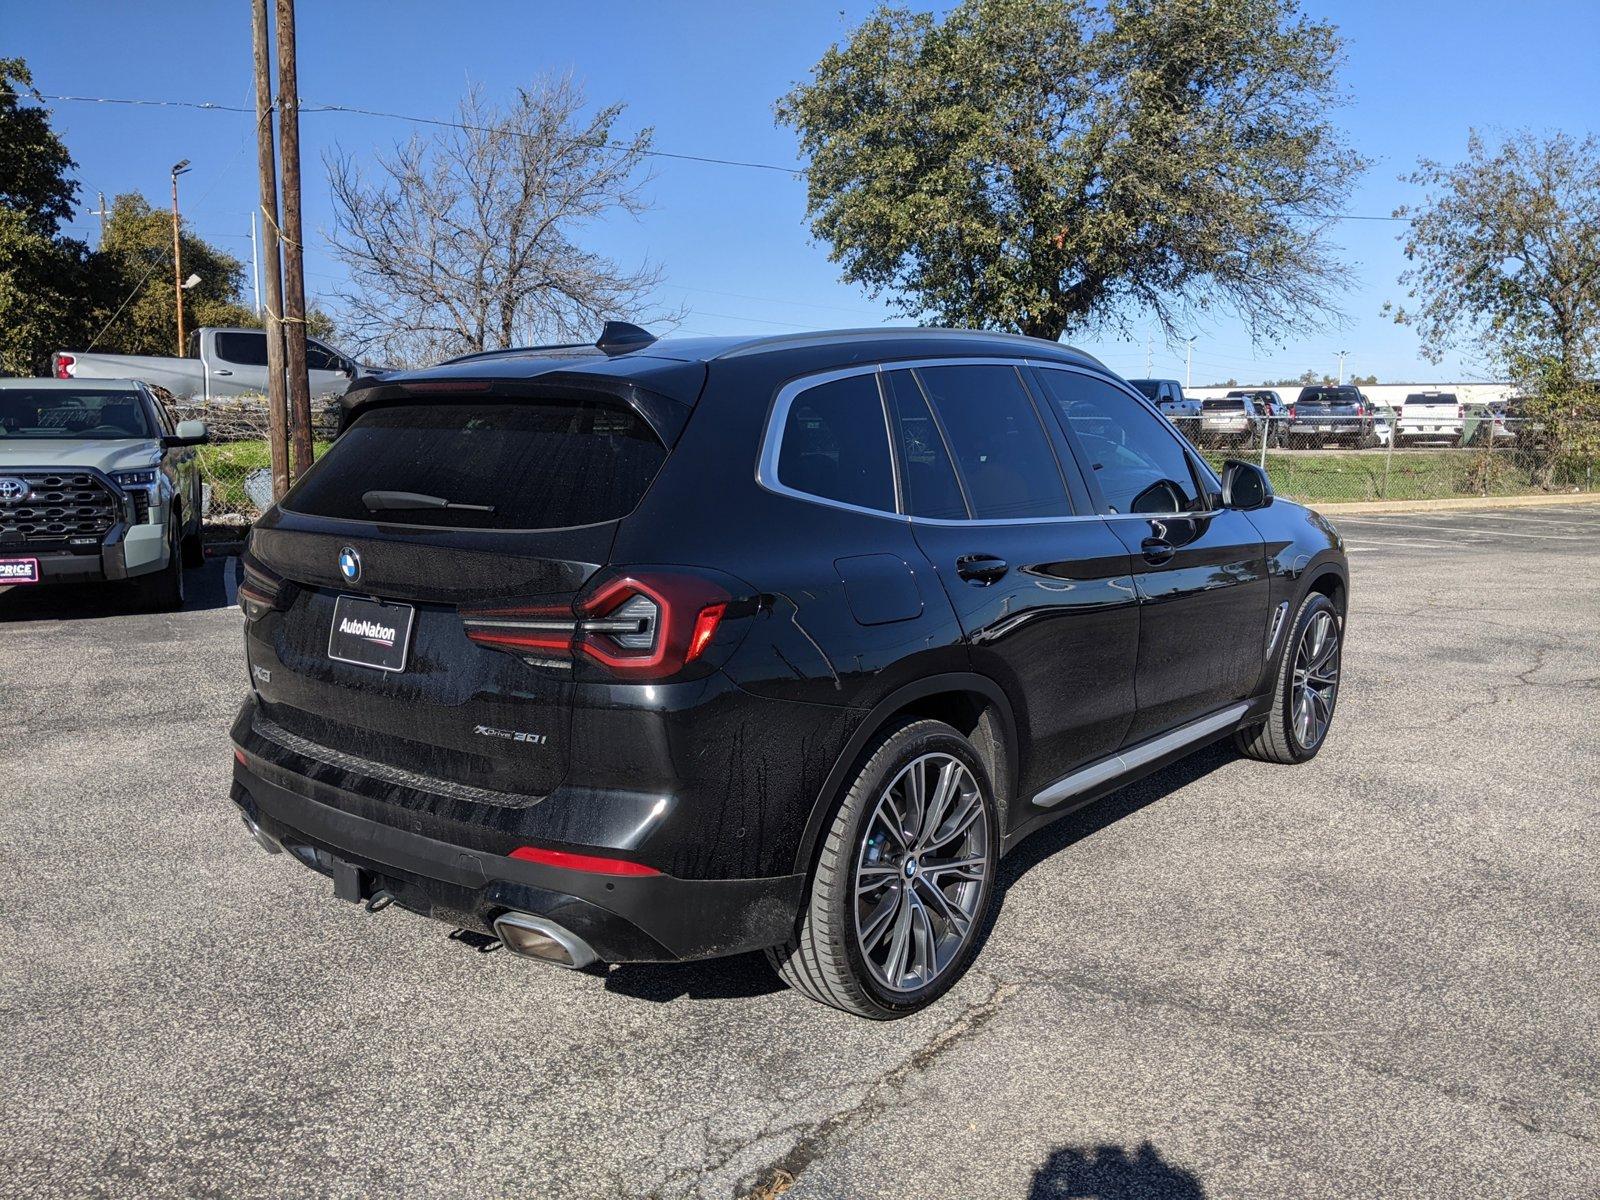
(1374, 974)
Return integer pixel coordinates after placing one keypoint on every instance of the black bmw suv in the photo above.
(668, 650)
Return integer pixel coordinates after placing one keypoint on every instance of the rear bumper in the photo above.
(649, 918)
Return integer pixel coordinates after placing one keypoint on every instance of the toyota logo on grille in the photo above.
(12, 490)
(350, 565)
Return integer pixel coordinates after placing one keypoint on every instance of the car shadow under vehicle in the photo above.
(748, 975)
(205, 587)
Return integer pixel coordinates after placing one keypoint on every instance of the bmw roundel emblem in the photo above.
(350, 565)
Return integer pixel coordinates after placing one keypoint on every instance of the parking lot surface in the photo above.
(1375, 974)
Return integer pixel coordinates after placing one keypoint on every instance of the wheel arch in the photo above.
(973, 704)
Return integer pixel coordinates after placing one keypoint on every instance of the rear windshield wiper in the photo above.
(377, 501)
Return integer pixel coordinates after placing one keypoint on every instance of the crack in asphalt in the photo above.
(1243, 1023)
(812, 1137)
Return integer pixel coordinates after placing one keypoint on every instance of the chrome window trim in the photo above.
(778, 414)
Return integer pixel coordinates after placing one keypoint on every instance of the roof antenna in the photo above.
(619, 337)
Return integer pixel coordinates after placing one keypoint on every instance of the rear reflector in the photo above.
(238, 757)
(592, 863)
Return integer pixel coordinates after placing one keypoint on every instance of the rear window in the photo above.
(1231, 404)
(1148, 388)
(536, 465)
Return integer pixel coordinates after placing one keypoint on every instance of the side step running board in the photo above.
(1135, 757)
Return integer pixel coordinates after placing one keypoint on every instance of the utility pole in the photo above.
(1188, 362)
(1343, 354)
(177, 248)
(255, 263)
(102, 212)
(294, 279)
(267, 163)
(1149, 355)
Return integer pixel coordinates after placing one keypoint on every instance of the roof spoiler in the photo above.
(619, 337)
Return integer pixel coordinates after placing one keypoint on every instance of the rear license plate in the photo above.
(370, 634)
(1324, 428)
(18, 570)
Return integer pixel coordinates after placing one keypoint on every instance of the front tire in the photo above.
(903, 885)
(162, 591)
(1306, 691)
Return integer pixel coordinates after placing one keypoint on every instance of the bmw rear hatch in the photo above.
(442, 499)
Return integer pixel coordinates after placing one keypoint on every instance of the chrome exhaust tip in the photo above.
(543, 939)
(263, 839)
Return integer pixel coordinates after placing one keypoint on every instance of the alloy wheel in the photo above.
(1316, 680)
(922, 866)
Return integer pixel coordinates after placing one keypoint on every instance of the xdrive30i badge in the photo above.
(510, 735)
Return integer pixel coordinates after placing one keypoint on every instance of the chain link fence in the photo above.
(236, 464)
(1338, 459)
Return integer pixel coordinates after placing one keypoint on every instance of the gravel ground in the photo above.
(1376, 974)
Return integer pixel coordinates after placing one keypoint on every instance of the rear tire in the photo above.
(886, 880)
(1307, 682)
(162, 591)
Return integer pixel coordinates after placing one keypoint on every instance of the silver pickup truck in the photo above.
(97, 483)
(221, 363)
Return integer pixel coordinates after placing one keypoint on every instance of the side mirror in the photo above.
(190, 433)
(1245, 486)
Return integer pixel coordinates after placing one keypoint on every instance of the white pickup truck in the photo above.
(1431, 416)
(221, 363)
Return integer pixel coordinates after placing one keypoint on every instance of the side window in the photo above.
(242, 349)
(1007, 467)
(835, 445)
(320, 358)
(926, 473)
(1139, 463)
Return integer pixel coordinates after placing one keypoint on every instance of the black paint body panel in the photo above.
(727, 775)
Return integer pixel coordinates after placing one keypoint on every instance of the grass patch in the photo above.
(224, 466)
(1410, 475)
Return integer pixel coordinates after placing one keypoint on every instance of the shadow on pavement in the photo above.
(205, 588)
(738, 978)
(1112, 1173)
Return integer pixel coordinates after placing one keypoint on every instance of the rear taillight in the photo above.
(261, 590)
(637, 624)
(1361, 410)
(1461, 411)
(66, 366)
(1291, 412)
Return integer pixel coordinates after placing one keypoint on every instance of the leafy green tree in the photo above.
(136, 258)
(44, 277)
(1504, 253)
(1050, 165)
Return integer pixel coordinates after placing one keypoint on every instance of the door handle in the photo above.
(981, 568)
(222, 371)
(1156, 550)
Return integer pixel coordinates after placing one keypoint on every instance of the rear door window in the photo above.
(534, 465)
(1007, 467)
(244, 349)
(1133, 455)
(835, 445)
(927, 476)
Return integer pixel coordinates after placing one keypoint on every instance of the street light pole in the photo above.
(177, 249)
(1188, 362)
(1343, 354)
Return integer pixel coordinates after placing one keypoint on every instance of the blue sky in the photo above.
(733, 242)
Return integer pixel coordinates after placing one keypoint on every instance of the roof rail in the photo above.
(619, 337)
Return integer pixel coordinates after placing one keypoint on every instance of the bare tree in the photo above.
(467, 239)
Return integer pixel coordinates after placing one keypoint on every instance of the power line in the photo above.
(751, 164)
